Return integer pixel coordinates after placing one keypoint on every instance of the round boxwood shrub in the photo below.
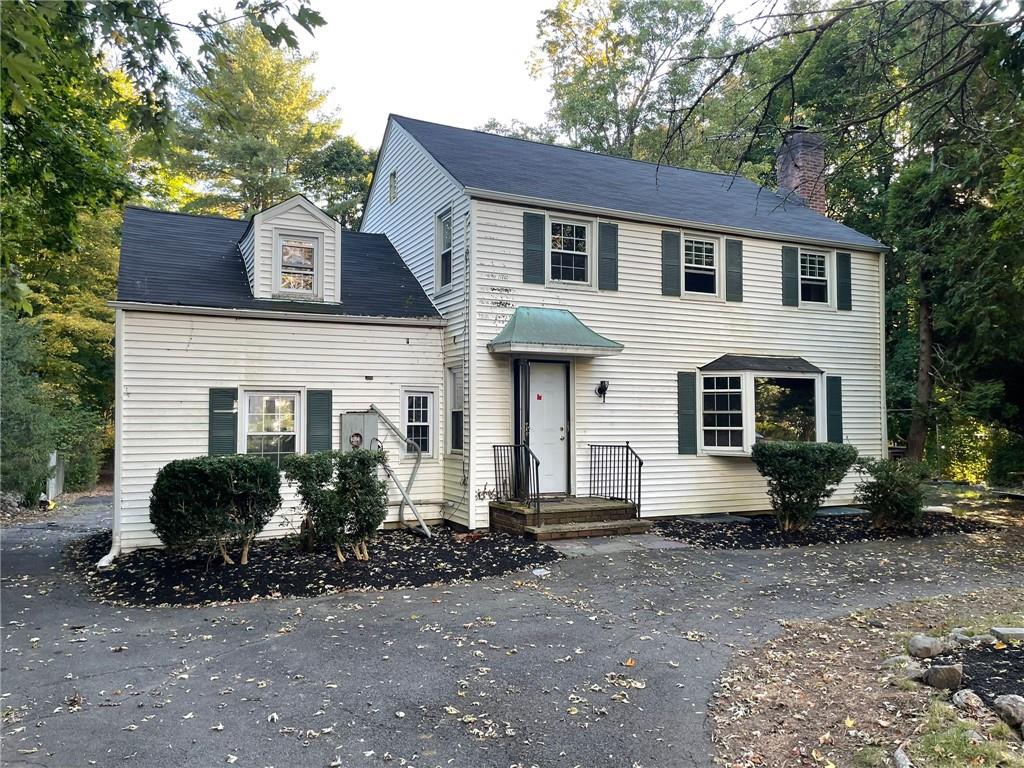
(344, 500)
(211, 501)
(801, 476)
(893, 492)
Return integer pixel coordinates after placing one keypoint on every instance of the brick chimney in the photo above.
(800, 167)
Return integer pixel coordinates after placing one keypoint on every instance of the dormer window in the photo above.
(298, 264)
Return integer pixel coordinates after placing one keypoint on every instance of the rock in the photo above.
(896, 662)
(925, 646)
(1010, 707)
(900, 758)
(945, 676)
(960, 637)
(967, 700)
(985, 639)
(914, 671)
(1009, 634)
(974, 737)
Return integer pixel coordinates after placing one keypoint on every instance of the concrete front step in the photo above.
(585, 530)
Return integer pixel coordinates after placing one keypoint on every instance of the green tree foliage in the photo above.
(253, 132)
(801, 476)
(338, 178)
(29, 426)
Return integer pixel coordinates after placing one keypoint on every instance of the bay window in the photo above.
(743, 407)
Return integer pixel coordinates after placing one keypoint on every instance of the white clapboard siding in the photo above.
(424, 190)
(169, 362)
(296, 215)
(663, 335)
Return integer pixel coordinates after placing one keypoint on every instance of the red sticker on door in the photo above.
(540, 396)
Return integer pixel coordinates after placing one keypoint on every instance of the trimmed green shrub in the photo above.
(801, 476)
(893, 493)
(343, 497)
(210, 501)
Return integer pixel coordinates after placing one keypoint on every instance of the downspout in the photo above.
(115, 544)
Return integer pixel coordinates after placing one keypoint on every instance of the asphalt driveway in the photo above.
(522, 670)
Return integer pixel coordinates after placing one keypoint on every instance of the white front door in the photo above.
(549, 424)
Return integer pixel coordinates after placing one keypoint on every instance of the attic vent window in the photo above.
(392, 186)
(298, 264)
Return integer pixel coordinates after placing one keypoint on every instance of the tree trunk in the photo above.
(925, 383)
(245, 551)
(224, 554)
(339, 553)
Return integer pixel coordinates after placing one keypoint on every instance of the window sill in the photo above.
(570, 284)
(713, 297)
(725, 453)
(296, 296)
(815, 307)
(444, 290)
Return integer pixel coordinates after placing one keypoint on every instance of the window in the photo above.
(813, 277)
(298, 264)
(455, 405)
(569, 252)
(444, 249)
(270, 424)
(700, 274)
(723, 412)
(392, 186)
(784, 409)
(419, 408)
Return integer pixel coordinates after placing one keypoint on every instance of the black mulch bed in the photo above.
(279, 568)
(990, 670)
(761, 532)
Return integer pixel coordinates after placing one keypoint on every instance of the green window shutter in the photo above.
(533, 248)
(223, 425)
(734, 270)
(790, 276)
(687, 412)
(318, 420)
(834, 408)
(608, 256)
(844, 285)
(670, 279)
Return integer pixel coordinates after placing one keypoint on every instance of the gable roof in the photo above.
(193, 261)
(485, 162)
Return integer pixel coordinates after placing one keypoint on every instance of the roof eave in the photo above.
(529, 200)
(564, 350)
(278, 314)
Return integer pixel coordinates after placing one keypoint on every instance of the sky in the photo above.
(459, 62)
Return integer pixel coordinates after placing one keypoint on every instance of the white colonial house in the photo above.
(550, 340)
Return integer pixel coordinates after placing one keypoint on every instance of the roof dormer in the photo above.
(292, 252)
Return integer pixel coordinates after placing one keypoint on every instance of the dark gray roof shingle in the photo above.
(513, 166)
(758, 363)
(180, 259)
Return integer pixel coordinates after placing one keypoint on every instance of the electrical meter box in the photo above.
(358, 430)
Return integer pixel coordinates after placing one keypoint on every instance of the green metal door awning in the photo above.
(537, 330)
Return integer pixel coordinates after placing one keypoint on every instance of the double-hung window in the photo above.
(419, 420)
(455, 408)
(700, 265)
(443, 238)
(569, 248)
(723, 412)
(298, 259)
(271, 424)
(814, 268)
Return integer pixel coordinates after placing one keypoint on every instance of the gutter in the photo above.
(485, 195)
(266, 314)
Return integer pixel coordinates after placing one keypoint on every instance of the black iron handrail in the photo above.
(616, 472)
(517, 474)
